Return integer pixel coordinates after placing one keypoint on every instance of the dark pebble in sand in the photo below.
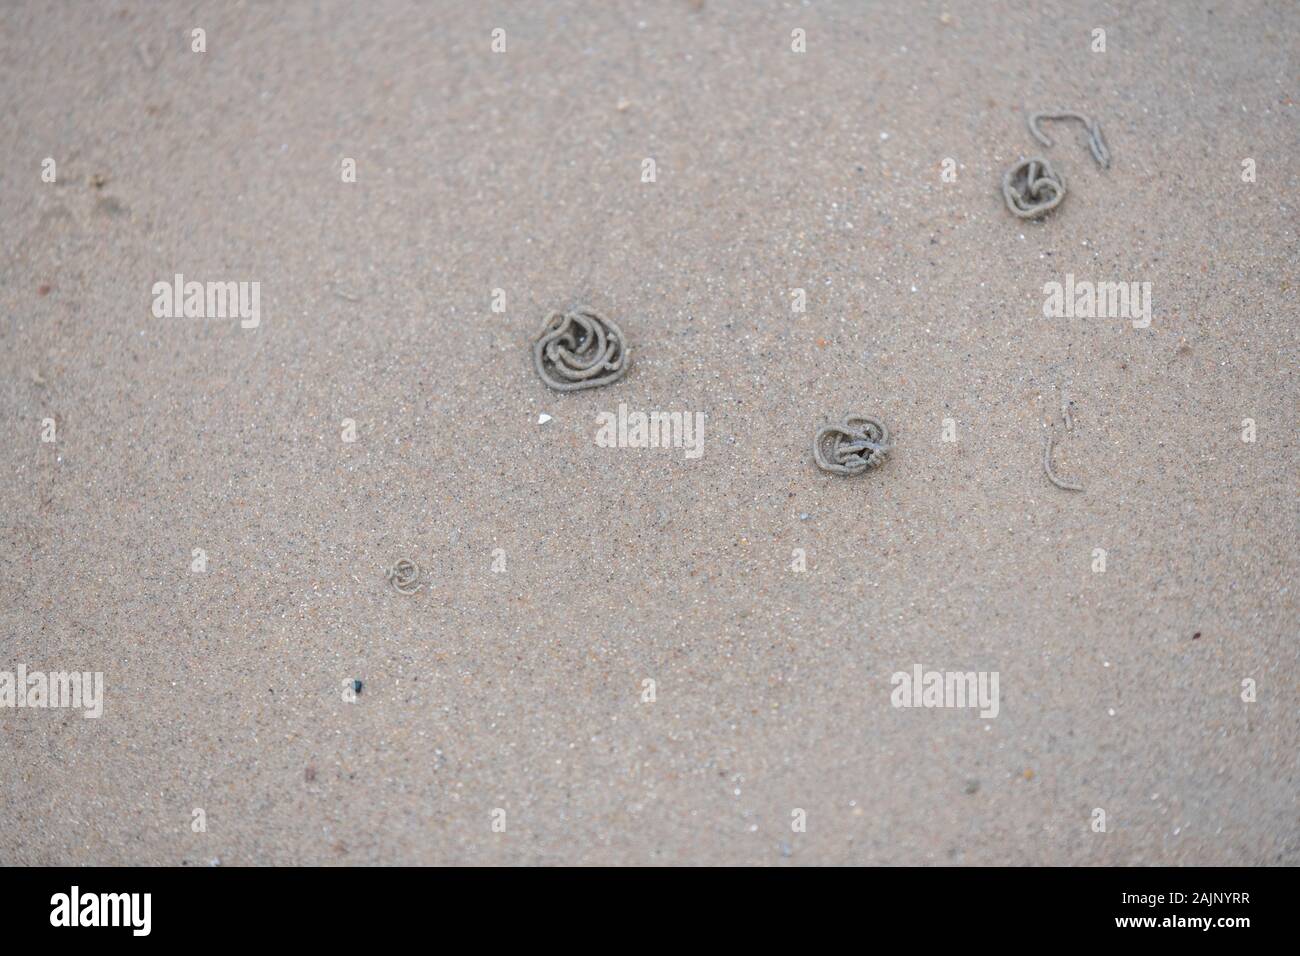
(356, 686)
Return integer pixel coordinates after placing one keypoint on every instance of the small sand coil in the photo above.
(1095, 143)
(404, 576)
(1032, 188)
(1047, 467)
(1067, 419)
(850, 448)
(579, 349)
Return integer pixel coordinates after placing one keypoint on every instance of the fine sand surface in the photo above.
(521, 689)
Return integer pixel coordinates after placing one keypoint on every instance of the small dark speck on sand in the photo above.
(110, 206)
(309, 774)
(43, 289)
(1196, 636)
(972, 786)
(356, 686)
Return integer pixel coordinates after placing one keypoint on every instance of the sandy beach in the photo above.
(202, 509)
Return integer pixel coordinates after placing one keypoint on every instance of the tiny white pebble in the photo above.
(543, 418)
